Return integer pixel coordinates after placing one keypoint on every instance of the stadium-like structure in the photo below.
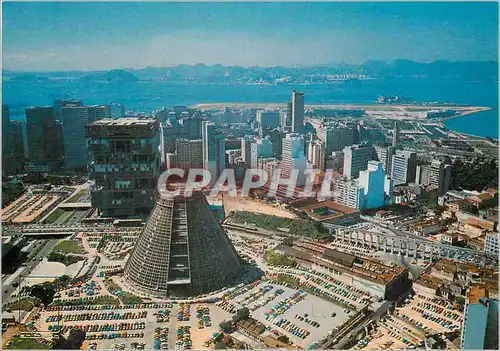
(182, 251)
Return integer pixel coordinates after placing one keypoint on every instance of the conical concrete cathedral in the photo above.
(182, 251)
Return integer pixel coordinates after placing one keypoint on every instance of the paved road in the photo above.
(8, 289)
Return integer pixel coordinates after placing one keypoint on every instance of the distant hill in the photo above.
(115, 75)
(202, 73)
(487, 70)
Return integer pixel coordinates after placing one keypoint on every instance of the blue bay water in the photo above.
(148, 96)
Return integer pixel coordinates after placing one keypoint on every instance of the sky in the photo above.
(100, 36)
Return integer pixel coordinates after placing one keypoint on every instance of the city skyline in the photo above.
(208, 176)
(243, 34)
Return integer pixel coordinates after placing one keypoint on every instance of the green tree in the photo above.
(43, 292)
(73, 342)
(220, 346)
(460, 302)
(279, 260)
(242, 314)
(284, 338)
(226, 326)
(288, 241)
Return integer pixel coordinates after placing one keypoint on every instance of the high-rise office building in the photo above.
(116, 111)
(384, 154)
(335, 161)
(277, 136)
(436, 174)
(376, 187)
(283, 119)
(288, 119)
(182, 251)
(447, 178)
(249, 151)
(6, 139)
(480, 325)
(395, 134)
(360, 133)
(267, 120)
(336, 137)
(264, 147)
(297, 112)
(293, 158)
(172, 130)
(356, 159)
(97, 112)
(188, 154)
(423, 175)
(125, 161)
(347, 192)
(214, 150)
(44, 138)
(17, 132)
(316, 155)
(74, 119)
(59, 103)
(372, 189)
(233, 157)
(7, 166)
(192, 127)
(404, 167)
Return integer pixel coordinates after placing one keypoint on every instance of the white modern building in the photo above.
(249, 151)
(316, 155)
(293, 157)
(188, 154)
(347, 192)
(384, 154)
(491, 243)
(404, 167)
(371, 190)
(436, 174)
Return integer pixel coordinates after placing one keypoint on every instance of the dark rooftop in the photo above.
(338, 257)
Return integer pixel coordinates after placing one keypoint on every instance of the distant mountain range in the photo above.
(480, 70)
(113, 76)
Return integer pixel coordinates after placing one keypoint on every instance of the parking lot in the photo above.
(432, 314)
(139, 319)
(324, 285)
(270, 308)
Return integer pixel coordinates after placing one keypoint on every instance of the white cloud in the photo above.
(227, 49)
(166, 50)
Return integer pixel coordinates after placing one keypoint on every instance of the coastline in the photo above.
(462, 110)
(388, 107)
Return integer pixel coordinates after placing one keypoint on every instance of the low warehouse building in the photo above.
(376, 278)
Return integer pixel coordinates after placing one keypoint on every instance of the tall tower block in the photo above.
(395, 134)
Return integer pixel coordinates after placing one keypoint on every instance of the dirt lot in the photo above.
(10, 332)
(254, 205)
